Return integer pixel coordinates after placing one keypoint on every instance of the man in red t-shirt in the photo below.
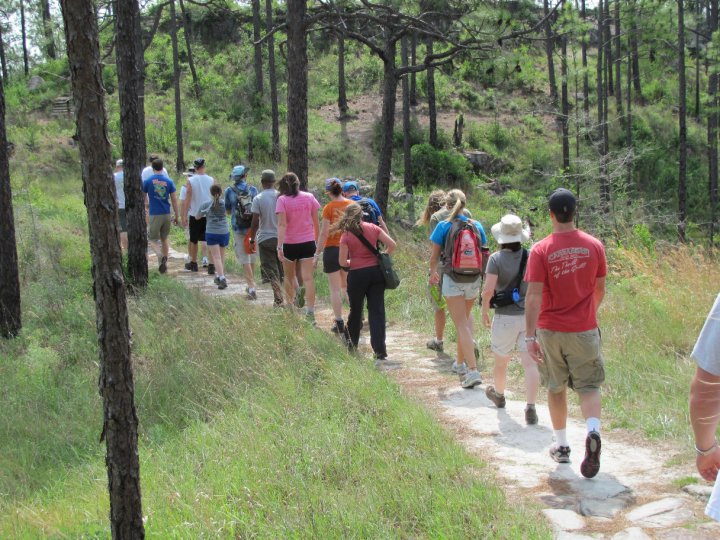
(566, 283)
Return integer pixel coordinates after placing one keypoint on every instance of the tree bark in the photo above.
(342, 93)
(129, 60)
(629, 122)
(382, 188)
(619, 113)
(608, 49)
(180, 162)
(600, 86)
(432, 103)
(120, 423)
(297, 70)
(272, 76)
(23, 34)
(413, 77)
(10, 316)
(682, 114)
(698, 13)
(191, 58)
(407, 158)
(3, 63)
(565, 106)
(637, 87)
(549, 51)
(586, 78)
(47, 29)
(712, 128)
(258, 47)
(602, 113)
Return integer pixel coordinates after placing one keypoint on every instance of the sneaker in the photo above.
(338, 327)
(204, 262)
(460, 369)
(560, 454)
(310, 317)
(471, 380)
(191, 266)
(163, 265)
(223, 283)
(251, 293)
(216, 281)
(210, 267)
(591, 464)
(378, 356)
(300, 296)
(497, 399)
(531, 417)
(435, 344)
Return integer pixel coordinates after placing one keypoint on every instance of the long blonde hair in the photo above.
(350, 220)
(216, 192)
(456, 202)
(436, 201)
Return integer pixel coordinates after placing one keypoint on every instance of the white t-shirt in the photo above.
(147, 172)
(200, 192)
(120, 189)
(707, 348)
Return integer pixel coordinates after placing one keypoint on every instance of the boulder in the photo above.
(402, 196)
(484, 163)
(35, 82)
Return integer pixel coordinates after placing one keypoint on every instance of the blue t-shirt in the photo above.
(159, 188)
(443, 228)
(231, 200)
(372, 202)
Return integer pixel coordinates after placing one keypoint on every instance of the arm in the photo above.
(487, 294)
(282, 226)
(316, 225)
(228, 202)
(434, 260)
(343, 256)
(254, 226)
(533, 301)
(704, 416)
(173, 200)
(186, 203)
(381, 223)
(324, 231)
(390, 244)
(599, 291)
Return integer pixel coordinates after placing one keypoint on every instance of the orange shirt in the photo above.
(332, 212)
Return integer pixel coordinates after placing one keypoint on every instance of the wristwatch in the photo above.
(708, 451)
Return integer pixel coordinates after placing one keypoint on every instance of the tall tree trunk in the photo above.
(413, 76)
(382, 188)
(698, 13)
(682, 113)
(342, 93)
(629, 122)
(602, 112)
(180, 162)
(258, 47)
(191, 58)
(565, 105)
(619, 113)
(549, 51)
(120, 422)
(272, 76)
(586, 81)
(432, 102)
(407, 175)
(129, 60)
(47, 29)
(600, 86)
(712, 127)
(23, 35)
(3, 63)
(10, 321)
(637, 87)
(608, 49)
(297, 70)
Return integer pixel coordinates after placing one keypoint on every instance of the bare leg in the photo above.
(204, 250)
(123, 241)
(458, 308)
(216, 253)
(249, 270)
(500, 372)
(532, 377)
(440, 321)
(557, 403)
(307, 269)
(335, 281)
(193, 251)
(289, 281)
(165, 247)
(590, 404)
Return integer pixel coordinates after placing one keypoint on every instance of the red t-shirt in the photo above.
(360, 256)
(568, 265)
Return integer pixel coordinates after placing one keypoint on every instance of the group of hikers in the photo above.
(545, 300)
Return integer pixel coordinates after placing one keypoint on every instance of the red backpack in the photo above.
(464, 258)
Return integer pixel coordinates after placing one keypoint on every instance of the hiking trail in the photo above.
(634, 497)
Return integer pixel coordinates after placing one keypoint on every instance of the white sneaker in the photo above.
(204, 262)
(472, 380)
(187, 258)
(460, 369)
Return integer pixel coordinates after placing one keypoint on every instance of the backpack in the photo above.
(369, 214)
(463, 257)
(511, 295)
(243, 205)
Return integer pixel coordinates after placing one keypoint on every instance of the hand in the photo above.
(280, 255)
(315, 260)
(486, 319)
(174, 220)
(434, 278)
(708, 466)
(184, 221)
(535, 351)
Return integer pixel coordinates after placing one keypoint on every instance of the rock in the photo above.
(406, 223)
(698, 491)
(607, 508)
(562, 535)
(35, 82)
(366, 191)
(564, 520)
(402, 196)
(681, 533)
(659, 514)
(632, 533)
(482, 162)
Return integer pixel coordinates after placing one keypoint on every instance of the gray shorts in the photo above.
(242, 257)
(572, 359)
(159, 227)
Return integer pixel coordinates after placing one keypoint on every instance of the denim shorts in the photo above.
(221, 240)
(470, 290)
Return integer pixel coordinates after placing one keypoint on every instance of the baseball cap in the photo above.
(329, 182)
(350, 186)
(119, 163)
(268, 175)
(199, 162)
(239, 170)
(562, 201)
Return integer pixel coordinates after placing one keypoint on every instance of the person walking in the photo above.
(329, 246)
(197, 194)
(263, 233)
(460, 285)
(298, 228)
(119, 177)
(366, 282)
(238, 205)
(566, 285)
(371, 210)
(505, 291)
(217, 234)
(160, 191)
(148, 171)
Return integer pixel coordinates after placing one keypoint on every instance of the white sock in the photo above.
(593, 424)
(439, 340)
(339, 319)
(561, 437)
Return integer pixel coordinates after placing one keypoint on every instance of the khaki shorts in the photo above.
(159, 227)
(507, 332)
(469, 290)
(240, 255)
(572, 359)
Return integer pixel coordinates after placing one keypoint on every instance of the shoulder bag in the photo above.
(392, 280)
(511, 295)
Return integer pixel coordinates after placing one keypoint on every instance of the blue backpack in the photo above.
(369, 213)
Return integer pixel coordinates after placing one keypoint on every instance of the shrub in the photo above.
(439, 167)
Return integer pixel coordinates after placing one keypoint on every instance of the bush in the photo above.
(417, 135)
(432, 167)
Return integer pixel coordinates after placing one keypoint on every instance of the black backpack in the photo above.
(243, 208)
(369, 213)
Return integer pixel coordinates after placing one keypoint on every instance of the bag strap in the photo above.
(521, 272)
(367, 244)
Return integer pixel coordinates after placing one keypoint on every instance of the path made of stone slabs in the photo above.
(633, 496)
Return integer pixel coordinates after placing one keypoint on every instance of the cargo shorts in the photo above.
(572, 359)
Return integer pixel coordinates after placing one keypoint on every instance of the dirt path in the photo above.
(634, 495)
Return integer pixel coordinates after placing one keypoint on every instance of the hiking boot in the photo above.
(531, 417)
(163, 265)
(591, 464)
(380, 356)
(251, 293)
(310, 317)
(471, 380)
(223, 284)
(211, 269)
(460, 369)
(497, 399)
(191, 266)
(338, 327)
(216, 281)
(204, 262)
(300, 296)
(435, 344)
(560, 454)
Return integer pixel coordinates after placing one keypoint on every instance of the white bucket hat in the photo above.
(510, 230)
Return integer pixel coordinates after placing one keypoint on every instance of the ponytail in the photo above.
(456, 203)
(435, 202)
(216, 192)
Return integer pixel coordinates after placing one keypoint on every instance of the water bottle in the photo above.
(516, 296)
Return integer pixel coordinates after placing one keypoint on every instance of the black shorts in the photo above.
(331, 260)
(296, 252)
(197, 229)
(122, 217)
